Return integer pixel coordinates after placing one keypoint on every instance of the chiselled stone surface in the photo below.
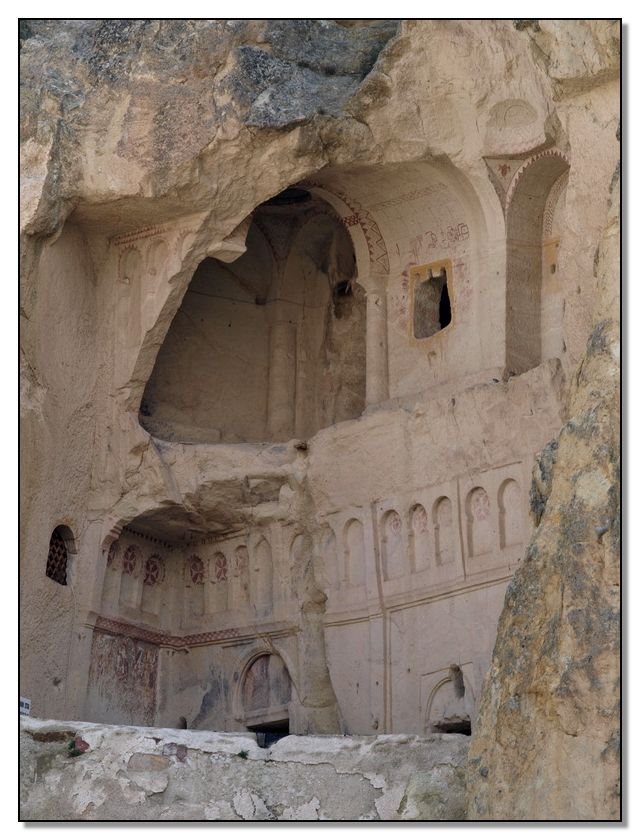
(547, 740)
(302, 305)
(143, 774)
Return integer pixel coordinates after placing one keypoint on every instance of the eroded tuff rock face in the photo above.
(121, 109)
(547, 740)
(149, 149)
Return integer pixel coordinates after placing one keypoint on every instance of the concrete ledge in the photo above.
(90, 771)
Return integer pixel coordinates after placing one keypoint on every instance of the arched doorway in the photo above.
(531, 261)
(265, 698)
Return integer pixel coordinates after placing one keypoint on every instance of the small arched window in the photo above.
(58, 557)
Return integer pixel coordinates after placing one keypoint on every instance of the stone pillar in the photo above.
(88, 591)
(319, 707)
(318, 700)
(282, 380)
(377, 357)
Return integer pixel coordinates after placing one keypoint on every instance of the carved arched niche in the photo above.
(533, 332)
(354, 553)
(220, 578)
(419, 538)
(131, 580)
(450, 705)
(154, 572)
(194, 576)
(393, 557)
(270, 346)
(481, 537)
(265, 692)
(443, 530)
(510, 507)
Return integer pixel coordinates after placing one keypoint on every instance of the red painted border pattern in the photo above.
(142, 233)
(517, 177)
(155, 637)
(378, 254)
(552, 201)
(147, 537)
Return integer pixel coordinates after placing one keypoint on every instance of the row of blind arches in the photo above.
(214, 584)
(413, 543)
(424, 542)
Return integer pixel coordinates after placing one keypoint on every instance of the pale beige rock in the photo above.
(130, 773)
(548, 737)
(292, 473)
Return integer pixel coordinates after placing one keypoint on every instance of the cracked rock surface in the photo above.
(547, 741)
(133, 773)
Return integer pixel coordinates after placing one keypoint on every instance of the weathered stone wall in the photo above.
(370, 556)
(82, 771)
(58, 415)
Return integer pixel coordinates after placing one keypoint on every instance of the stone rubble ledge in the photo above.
(73, 770)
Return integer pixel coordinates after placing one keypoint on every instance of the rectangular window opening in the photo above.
(431, 305)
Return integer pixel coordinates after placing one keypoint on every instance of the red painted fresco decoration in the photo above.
(130, 560)
(220, 567)
(196, 569)
(153, 570)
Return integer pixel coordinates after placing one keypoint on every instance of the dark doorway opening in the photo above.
(431, 305)
(268, 733)
(459, 726)
(445, 305)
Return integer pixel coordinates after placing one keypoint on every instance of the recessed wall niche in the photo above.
(270, 346)
(534, 298)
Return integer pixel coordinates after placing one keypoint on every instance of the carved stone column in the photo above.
(377, 390)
